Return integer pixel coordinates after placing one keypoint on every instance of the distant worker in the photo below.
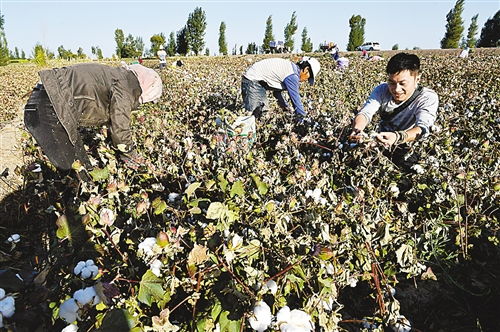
(465, 53)
(335, 53)
(342, 63)
(277, 75)
(162, 55)
(407, 110)
(87, 95)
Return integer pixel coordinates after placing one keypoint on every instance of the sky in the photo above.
(87, 23)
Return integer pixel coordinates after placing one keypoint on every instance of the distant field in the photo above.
(348, 237)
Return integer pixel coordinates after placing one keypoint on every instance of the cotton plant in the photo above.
(293, 320)
(86, 269)
(316, 196)
(69, 310)
(7, 306)
(14, 238)
(261, 317)
(70, 328)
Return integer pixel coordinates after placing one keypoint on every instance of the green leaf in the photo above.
(63, 230)
(99, 174)
(192, 188)
(117, 320)
(159, 205)
(150, 289)
(237, 189)
(216, 210)
(228, 325)
(222, 181)
(216, 309)
(261, 186)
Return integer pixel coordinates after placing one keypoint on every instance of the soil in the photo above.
(11, 155)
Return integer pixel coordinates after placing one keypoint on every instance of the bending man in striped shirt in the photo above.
(277, 75)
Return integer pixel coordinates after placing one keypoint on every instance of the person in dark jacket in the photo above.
(87, 95)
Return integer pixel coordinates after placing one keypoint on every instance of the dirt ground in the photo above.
(11, 155)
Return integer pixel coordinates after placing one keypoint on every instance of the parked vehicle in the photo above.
(327, 47)
(369, 46)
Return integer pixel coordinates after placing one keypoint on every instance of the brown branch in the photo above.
(245, 287)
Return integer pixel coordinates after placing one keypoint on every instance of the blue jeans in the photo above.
(254, 96)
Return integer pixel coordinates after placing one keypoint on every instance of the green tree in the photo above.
(40, 55)
(132, 47)
(395, 47)
(251, 48)
(207, 51)
(241, 50)
(490, 34)
(196, 25)
(119, 39)
(268, 34)
(65, 54)
(357, 33)
(182, 41)
(80, 53)
(307, 45)
(16, 52)
(472, 32)
(157, 41)
(289, 32)
(171, 46)
(454, 26)
(23, 55)
(222, 39)
(4, 49)
(96, 50)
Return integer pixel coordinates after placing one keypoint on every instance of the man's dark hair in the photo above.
(403, 61)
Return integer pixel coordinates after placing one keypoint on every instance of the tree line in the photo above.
(190, 39)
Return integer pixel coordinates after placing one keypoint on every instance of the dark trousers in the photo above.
(41, 121)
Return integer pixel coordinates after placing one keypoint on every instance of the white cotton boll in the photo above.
(237, 241)
(155, 267)
(70, 328)
(309, 193)
(94, 270)
(14, 238)
(69, 310)
(172, 197)
(330, 269)
(283, 315)
(86, 269)
(352, 282)
(85, 296)
(402, 325)
(291, 328)
(146, 246)
(262, 317)
(7, 306)
(2, 293)
(418, 168)
(272, 286)
(394, 190)
(78, 268)
(301, 319)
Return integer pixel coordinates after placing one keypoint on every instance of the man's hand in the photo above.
(387, 138)
(356, 136)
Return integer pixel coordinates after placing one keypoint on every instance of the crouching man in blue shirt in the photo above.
(407, 110)
(278, 75)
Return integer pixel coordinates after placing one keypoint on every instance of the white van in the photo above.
(369, 46)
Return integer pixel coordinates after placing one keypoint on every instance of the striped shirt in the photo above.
(278, 74)
(419, 113)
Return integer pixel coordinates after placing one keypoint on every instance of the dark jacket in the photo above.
(92, 95)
